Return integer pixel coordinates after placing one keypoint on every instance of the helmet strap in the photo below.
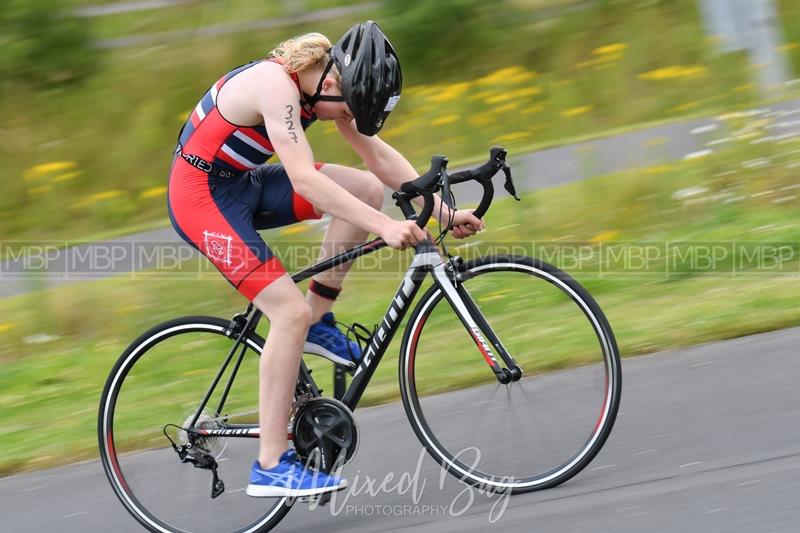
(310, 101)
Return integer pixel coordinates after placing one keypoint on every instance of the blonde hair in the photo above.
(305, 51)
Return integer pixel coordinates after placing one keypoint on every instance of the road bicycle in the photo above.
(509, 376)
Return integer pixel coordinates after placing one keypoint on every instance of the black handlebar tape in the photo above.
(427, 181)
(427, 209)
(486, 200)
(462, 176)
(406, 208)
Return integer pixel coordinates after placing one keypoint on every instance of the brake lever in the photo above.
(446, 197)
(509, 185)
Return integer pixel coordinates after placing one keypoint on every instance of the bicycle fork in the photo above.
(448, 277)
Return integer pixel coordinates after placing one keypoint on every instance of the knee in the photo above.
(373, 190)
(294, 316)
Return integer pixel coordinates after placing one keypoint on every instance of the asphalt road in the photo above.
(707, 440)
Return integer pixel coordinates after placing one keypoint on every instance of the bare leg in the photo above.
(342, 235)
(289, 316)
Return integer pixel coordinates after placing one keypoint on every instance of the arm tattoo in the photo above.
(290, 122)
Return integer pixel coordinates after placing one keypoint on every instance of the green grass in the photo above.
(118, 128)
(57, 346)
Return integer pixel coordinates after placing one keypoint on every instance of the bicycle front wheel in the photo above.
(531, 434)
(151, 397)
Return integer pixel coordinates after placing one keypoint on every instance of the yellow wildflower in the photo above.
(686, 106)
(496, 99)
(47, 168)
(507, 75)
(7, 326)
(533, 109)
(422, 90)
(506, 108)
(441, 121)
(105, 195)
(575, 111)
(605, 60)
(480, 95)
(673, 72)
(616, 48)
(528, 91)
(482, 119)
(153, 192)
(658, 169)
(496, 295)
(397, 130)
(450, 92)
(605, 236)
(788, 47)
(511, 137)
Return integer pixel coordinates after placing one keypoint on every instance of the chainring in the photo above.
(323, 429)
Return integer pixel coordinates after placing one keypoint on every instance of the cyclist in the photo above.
(221, 191)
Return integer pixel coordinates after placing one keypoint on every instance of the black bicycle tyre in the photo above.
(129, 357)
(411, 403)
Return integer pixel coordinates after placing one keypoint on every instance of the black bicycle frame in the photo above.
(446, 274)
(427, 260)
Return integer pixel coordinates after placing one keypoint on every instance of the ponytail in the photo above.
(303, 52)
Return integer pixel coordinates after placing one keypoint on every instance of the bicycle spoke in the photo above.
(532, 433)
(154, 389)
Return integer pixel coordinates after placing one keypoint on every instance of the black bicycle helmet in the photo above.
(370, 76)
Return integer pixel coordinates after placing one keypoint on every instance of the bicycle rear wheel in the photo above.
(158, 385)
(527, 435)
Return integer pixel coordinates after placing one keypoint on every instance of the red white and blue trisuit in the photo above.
(220, 212)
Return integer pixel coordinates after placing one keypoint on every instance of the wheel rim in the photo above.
(161, 492)
(445, 443)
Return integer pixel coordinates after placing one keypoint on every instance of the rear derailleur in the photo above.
(199, 458)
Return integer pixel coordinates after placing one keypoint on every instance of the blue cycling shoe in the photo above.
(291, 478)
(325, 339)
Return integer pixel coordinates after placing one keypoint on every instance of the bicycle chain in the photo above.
(299, 402)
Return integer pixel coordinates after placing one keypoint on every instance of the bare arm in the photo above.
(389, 165)
(281, 113)
(278, 104)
